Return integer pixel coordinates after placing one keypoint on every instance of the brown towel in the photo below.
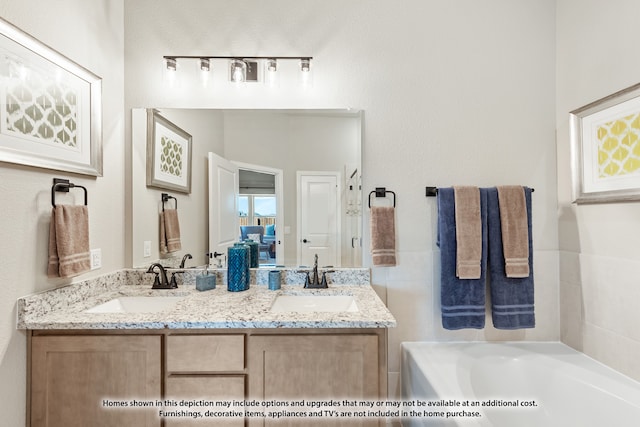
(69, 241)
(169, 231)
(515, 232)
(468, 232)
(383, 236)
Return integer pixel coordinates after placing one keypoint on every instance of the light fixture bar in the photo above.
(174, 57)
(243, 68)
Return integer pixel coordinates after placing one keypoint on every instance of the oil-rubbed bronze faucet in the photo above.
(160, 282)
(184, 259)
(314, 282)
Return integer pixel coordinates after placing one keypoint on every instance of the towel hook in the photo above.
(166, 197)
(382, 192)
(63, 186)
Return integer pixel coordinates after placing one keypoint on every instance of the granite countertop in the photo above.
(64, 308)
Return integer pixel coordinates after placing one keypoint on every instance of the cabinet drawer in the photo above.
(205, 353)
(225, 388)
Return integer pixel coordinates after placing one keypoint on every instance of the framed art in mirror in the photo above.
(605, 146)
(168, 154)
(50, 107)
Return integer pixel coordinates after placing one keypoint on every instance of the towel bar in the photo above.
(166, 197)
(63, 186)
(382, 192)
(433, 191)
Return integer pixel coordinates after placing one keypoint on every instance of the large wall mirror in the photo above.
(298, 185)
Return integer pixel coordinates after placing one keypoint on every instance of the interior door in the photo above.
(224, 225)
(319, 218)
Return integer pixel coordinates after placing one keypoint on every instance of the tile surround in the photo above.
(598, 299)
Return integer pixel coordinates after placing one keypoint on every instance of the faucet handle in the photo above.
(173, 282)
(156, 280)
(323, 283)
(324, 278)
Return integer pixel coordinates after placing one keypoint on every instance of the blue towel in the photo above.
(462, 300)
(511, 298)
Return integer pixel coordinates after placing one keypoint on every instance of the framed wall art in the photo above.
(50, 107)
(605, 148)
(168, 154)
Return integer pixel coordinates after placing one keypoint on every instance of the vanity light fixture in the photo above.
(205, 68)
(305, 65)
(171, 63)
(169, 71)
(205, 65)
(238, 70)
(306, 78)
(271, 72)
(245, 69)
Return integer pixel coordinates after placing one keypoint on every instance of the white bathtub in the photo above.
(568, 387)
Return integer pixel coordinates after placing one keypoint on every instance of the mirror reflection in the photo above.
(296, 188)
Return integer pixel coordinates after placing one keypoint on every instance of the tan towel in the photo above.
(383, 236)
(169, 231)
(69, 241)
(468, 232)
(515, 232)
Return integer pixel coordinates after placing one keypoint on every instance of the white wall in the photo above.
(91, 34)
(599, 251)
(454, 92)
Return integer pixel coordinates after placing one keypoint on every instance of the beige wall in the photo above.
(91, 34)
(599, 251)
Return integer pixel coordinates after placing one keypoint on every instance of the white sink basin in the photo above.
(151, 304)
(314, 303)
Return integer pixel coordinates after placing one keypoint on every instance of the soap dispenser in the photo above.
(206, 281)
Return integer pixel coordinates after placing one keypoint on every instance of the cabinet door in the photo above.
(223, 388)
(73, 377)
(320, 367)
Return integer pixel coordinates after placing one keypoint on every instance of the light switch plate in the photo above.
(147, 248)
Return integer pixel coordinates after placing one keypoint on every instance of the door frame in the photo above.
(279, 179)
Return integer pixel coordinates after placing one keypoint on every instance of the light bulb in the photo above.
(238, 71)
(271, 72)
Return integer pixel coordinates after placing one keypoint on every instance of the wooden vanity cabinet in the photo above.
(72, 377)
(72, 372)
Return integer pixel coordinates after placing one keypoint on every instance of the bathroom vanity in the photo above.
(216, 345)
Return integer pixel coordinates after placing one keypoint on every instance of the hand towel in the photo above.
(383, 236)
(69, 241)
(169, 231)
(468, 232)
(462, 301)
(512, 298)
(515, 232)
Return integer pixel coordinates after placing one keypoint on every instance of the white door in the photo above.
(224, 225)
(318, 218)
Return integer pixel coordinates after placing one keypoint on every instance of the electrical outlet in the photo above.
(96, 258)
(147, 248)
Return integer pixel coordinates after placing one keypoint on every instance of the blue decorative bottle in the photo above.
(254, 252)
(238, 267)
